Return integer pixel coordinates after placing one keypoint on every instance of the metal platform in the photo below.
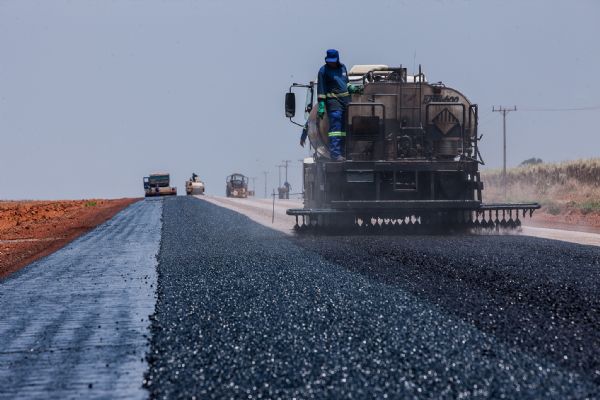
(354, 207)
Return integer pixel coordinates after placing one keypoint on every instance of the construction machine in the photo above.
(158, 184)
(236, 185)
(194, 185)
(411, 159)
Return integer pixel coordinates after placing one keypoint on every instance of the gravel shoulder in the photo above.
(246, 311)
(566, 235)
(260, 210)
(75, 324)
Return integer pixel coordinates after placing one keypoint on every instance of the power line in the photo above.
(590, 108)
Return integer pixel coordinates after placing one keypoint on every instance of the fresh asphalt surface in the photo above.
(73, 325)
(244, 311)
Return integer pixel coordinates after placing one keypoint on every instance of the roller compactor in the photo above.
(194, 186)
(158, 185)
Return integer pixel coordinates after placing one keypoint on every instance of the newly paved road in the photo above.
(246, 311)
(75, 324)
(243, 311)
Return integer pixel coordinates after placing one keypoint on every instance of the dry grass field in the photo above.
(568, 191)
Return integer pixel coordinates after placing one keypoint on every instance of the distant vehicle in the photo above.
(237, 186)
(284, 191)
(158, 185)
(194, 185)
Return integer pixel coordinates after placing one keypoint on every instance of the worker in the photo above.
(333, 95)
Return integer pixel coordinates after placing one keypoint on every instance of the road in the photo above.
(243, 310)
(75, 324)
(248, 311)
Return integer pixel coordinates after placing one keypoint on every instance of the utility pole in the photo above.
(504, 111)
(286, 167)
(279, 169)
(266, 173)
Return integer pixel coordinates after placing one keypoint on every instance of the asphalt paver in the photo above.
(75, 324)
(244, 311)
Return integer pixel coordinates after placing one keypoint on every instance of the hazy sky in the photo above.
(96, 94)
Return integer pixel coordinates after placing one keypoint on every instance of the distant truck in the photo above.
(236, 186)
(158, 185)
(284, 191)
(194, 185)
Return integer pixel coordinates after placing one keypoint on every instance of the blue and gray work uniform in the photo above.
(333, 89)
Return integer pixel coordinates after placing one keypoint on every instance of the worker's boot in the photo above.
(340, 158)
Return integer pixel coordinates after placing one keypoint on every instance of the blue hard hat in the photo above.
(332, 56)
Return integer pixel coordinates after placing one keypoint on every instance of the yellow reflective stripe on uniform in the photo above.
(321, 96)
(337, 134)
(334, 95)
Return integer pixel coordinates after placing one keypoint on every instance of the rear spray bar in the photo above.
(483, 216)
